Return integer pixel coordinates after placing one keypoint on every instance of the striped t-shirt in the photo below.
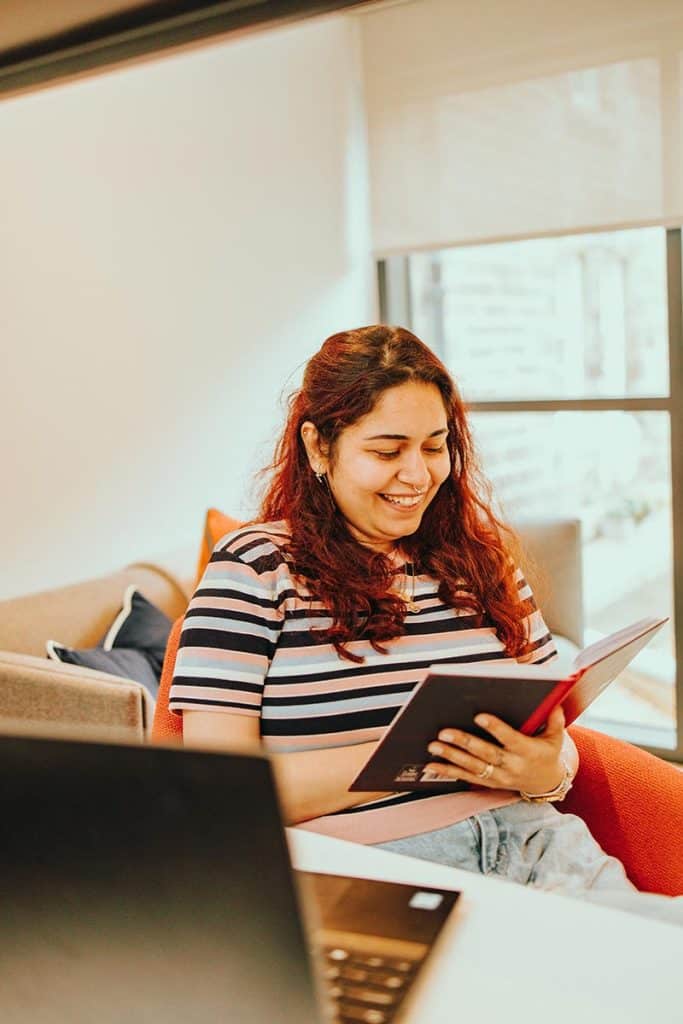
(250, 646)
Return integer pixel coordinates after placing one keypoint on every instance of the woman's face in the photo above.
(388, 466)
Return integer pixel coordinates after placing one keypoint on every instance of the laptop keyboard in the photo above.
(363, 987)
(369, 940)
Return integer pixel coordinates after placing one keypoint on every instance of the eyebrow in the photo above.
(402, 437)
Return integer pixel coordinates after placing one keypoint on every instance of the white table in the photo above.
(512, 954)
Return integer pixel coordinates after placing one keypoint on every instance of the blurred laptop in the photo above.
(154, 884)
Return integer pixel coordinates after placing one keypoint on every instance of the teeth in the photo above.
(403, 502)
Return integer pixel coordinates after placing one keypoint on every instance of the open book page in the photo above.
(643, 629)
(601, 662)
(515, 670)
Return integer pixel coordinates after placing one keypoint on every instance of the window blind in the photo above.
(500, 120)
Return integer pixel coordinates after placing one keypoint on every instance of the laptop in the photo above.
(154, 885)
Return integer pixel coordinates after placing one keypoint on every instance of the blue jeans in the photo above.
(536, 845)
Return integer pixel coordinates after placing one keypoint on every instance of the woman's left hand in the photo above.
(532, 764)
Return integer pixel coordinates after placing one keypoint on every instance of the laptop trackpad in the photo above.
(385, 910)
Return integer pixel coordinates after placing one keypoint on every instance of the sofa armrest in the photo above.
(37, 690)
(552, 562)
(566, 652)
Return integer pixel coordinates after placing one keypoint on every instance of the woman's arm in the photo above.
(315, 782)
(310, 782)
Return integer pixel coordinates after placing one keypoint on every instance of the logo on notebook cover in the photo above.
(410, 773)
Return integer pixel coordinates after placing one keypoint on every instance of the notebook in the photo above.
(154, 884)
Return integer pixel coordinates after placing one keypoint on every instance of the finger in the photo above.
(450, 773)
(514, 741)
(555, 723)
(482, 749)
(459, 758)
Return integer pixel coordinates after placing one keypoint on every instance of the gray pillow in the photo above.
(133, 646)
(125, 662)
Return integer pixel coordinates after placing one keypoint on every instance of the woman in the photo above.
(378, 554)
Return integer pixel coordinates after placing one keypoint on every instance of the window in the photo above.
(564, 349)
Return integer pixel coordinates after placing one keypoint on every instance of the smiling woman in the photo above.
(376, 555)
(377, 424)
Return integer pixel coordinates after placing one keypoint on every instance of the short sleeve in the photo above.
(541, 646)
(229, 635)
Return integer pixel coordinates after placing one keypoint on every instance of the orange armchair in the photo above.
(631, 801)
(633, 804)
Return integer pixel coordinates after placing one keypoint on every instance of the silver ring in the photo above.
(486, 774)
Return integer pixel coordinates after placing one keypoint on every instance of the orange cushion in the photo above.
(217, 524)
(167, 727)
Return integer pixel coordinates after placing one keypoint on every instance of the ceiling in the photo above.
(42, 42)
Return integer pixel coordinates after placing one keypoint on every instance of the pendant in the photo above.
(408, 602)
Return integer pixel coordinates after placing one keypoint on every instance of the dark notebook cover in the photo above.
(521, 695)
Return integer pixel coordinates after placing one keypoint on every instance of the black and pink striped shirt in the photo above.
(249, 646)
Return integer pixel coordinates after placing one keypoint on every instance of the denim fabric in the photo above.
(536, 845)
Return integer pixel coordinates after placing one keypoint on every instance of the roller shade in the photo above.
(502, 119)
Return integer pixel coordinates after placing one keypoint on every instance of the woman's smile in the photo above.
(404, 502)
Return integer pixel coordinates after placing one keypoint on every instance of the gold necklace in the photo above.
(408, 598)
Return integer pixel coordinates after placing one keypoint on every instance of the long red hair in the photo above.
(460, 541)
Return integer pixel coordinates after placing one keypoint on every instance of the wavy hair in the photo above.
(460, 541)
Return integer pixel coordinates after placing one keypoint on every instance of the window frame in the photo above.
(395, 307)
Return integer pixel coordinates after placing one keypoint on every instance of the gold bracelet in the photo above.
(553, 795)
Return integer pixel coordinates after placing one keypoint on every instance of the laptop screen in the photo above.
(145, 884)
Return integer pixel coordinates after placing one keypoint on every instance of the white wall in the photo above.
(175, 240)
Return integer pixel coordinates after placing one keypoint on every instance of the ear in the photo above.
(314, 447)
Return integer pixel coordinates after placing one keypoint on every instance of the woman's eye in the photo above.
(427, 451)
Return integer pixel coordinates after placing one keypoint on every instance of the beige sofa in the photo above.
(59, 698)
(48, 697)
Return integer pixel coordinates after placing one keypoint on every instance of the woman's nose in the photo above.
(414, 471)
